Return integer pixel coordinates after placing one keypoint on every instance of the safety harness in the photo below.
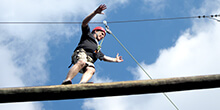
(96, 51)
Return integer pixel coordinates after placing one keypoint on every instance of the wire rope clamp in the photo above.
(107, 27)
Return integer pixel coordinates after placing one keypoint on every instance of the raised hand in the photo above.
(100, 9)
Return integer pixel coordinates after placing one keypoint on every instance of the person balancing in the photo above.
(88, 51)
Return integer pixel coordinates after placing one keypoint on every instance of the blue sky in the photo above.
(39, 54)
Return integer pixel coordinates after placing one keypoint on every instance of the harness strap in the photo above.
(99, 46)
(70, 65)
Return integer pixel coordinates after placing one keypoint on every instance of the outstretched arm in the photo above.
(90, 16)
(116, 59)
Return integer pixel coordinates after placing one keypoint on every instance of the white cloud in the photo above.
(98, 79)
(24, 48)
(134, 102)
(9, 72)
(196, 52)
(22, 106)
(154, 6)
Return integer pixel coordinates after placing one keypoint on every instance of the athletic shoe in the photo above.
(86, 83)
(65, 82)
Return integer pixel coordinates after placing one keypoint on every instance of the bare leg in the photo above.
(75, 69)
(88, 74)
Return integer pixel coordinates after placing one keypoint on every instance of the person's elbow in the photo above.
(84, 24)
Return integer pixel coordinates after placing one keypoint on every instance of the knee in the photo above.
(91, 69)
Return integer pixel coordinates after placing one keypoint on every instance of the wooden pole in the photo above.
(74, 91)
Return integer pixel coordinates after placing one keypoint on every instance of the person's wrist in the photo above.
(115, 59)
(95, 12)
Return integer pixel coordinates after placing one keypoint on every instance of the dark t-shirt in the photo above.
(89, 44)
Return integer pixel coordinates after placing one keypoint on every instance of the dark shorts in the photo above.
(81, 55)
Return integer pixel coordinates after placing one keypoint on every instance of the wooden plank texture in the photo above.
(75, 91)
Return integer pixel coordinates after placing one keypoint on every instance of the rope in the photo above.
(160, 19)
(127, 21)
(131, 56)
(141, 68)
(170, 101)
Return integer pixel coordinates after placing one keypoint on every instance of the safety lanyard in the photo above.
(99, 45)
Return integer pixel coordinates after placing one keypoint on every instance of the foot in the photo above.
(65, 82)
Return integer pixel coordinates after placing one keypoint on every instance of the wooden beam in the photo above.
(74, 91)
